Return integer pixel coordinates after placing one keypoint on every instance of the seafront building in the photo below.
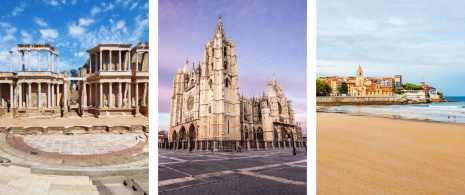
(207, 110)
(112, 83)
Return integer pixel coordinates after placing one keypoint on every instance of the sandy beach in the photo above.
(372, 155)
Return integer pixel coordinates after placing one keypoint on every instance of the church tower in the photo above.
(219, 89)
(359, 77)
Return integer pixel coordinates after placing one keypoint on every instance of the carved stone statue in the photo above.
(74, 87)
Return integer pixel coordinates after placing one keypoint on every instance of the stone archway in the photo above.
(275, 135)
(192, 133)
(182, 133)
(174, 135)
(283, 134)
(246, 133)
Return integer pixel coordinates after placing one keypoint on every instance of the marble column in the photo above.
(129, 96)
(38, 57)
(137, 61)
(144, 96)
(110, 94)
(52, 96)
(90, 63)
(90, 95)
(96, 104)
(101, 64)
(48, 95)
(95, 61)
(29, 60)
(84, 95)
(12, 102)
(65, 93)
(109, 62)
(137, 95)
(58, 96)
(39, 103)
(19, 60)
(101, 95)
(11, 61)
(48, 60)
(129, 59)
(119, 60)
(120, 99)
(20, 95)
(52, 62)
(29, 98)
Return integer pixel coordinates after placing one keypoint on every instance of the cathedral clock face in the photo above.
(190, 103)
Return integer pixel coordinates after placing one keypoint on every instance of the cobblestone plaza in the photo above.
(250, 172)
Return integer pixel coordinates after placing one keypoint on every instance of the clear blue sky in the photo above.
(421, 40)
(270, 37)
(71, 26)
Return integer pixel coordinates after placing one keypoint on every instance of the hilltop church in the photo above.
(206, 103)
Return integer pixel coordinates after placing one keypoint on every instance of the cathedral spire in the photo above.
(359, 71)
(219, 29)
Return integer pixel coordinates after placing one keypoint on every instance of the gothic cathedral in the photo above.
(206, 103)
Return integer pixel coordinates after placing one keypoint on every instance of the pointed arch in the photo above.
(174, 135)
(182, 133)
(192, 133)
(227, 83)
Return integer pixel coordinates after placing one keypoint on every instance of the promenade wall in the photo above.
(347, 100)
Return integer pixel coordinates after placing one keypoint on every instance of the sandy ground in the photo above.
(368, 155)
(8, 122)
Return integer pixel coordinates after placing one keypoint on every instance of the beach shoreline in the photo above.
(375, 155)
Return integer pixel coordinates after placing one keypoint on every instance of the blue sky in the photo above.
(421, 40)
(270, 37)
(71, 26)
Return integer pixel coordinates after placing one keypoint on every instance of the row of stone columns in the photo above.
(53, 99)
(51, 62)
(98, 100)
(109, 68)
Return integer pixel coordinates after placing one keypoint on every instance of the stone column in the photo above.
(137, 61)
(38, 56)
(95, 61)
(29, 98)
(137, 95)
(90, 64)
(119, 60)
(144, 96)
(52, 96)
(11, 61)
(110, 92)
(101, 63)
(101, 95)
(58, 63)
(19, 60)
(109, 62)
(96, 104)
(65, 93)
(58, 96)
(20, 95)
(129, 96)
(84, 95)
(129, 59)
(248, 145)
(52, 61)
(29, 60)
(48, 95)
(120, 99)
(39, 105)
(90, 94)
(12, 102)
(48, 60)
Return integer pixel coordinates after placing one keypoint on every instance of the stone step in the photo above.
(110, 179)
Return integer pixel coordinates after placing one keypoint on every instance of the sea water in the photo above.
(440, 111)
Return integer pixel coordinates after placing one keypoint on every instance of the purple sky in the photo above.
(270, 37)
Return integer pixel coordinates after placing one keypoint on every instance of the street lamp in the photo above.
(291, 135)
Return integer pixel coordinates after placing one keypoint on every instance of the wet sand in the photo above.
(372, 155)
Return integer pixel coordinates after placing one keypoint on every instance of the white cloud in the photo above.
(95, 10)
(125, 3)
(19, 9)
(80, 54)
(396, 21)
(120, 25)
(146, 5)
(76, 30)
(73, 2)
(63, 1)
(85, 21)
(49, 33)
(26, 37)
(54, 3)
(40, 22)
(134, 5)
(106, 7)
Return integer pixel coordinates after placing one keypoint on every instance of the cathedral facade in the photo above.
(206, 103)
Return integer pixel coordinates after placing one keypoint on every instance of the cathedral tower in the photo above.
(359, 77)
(219, 89)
